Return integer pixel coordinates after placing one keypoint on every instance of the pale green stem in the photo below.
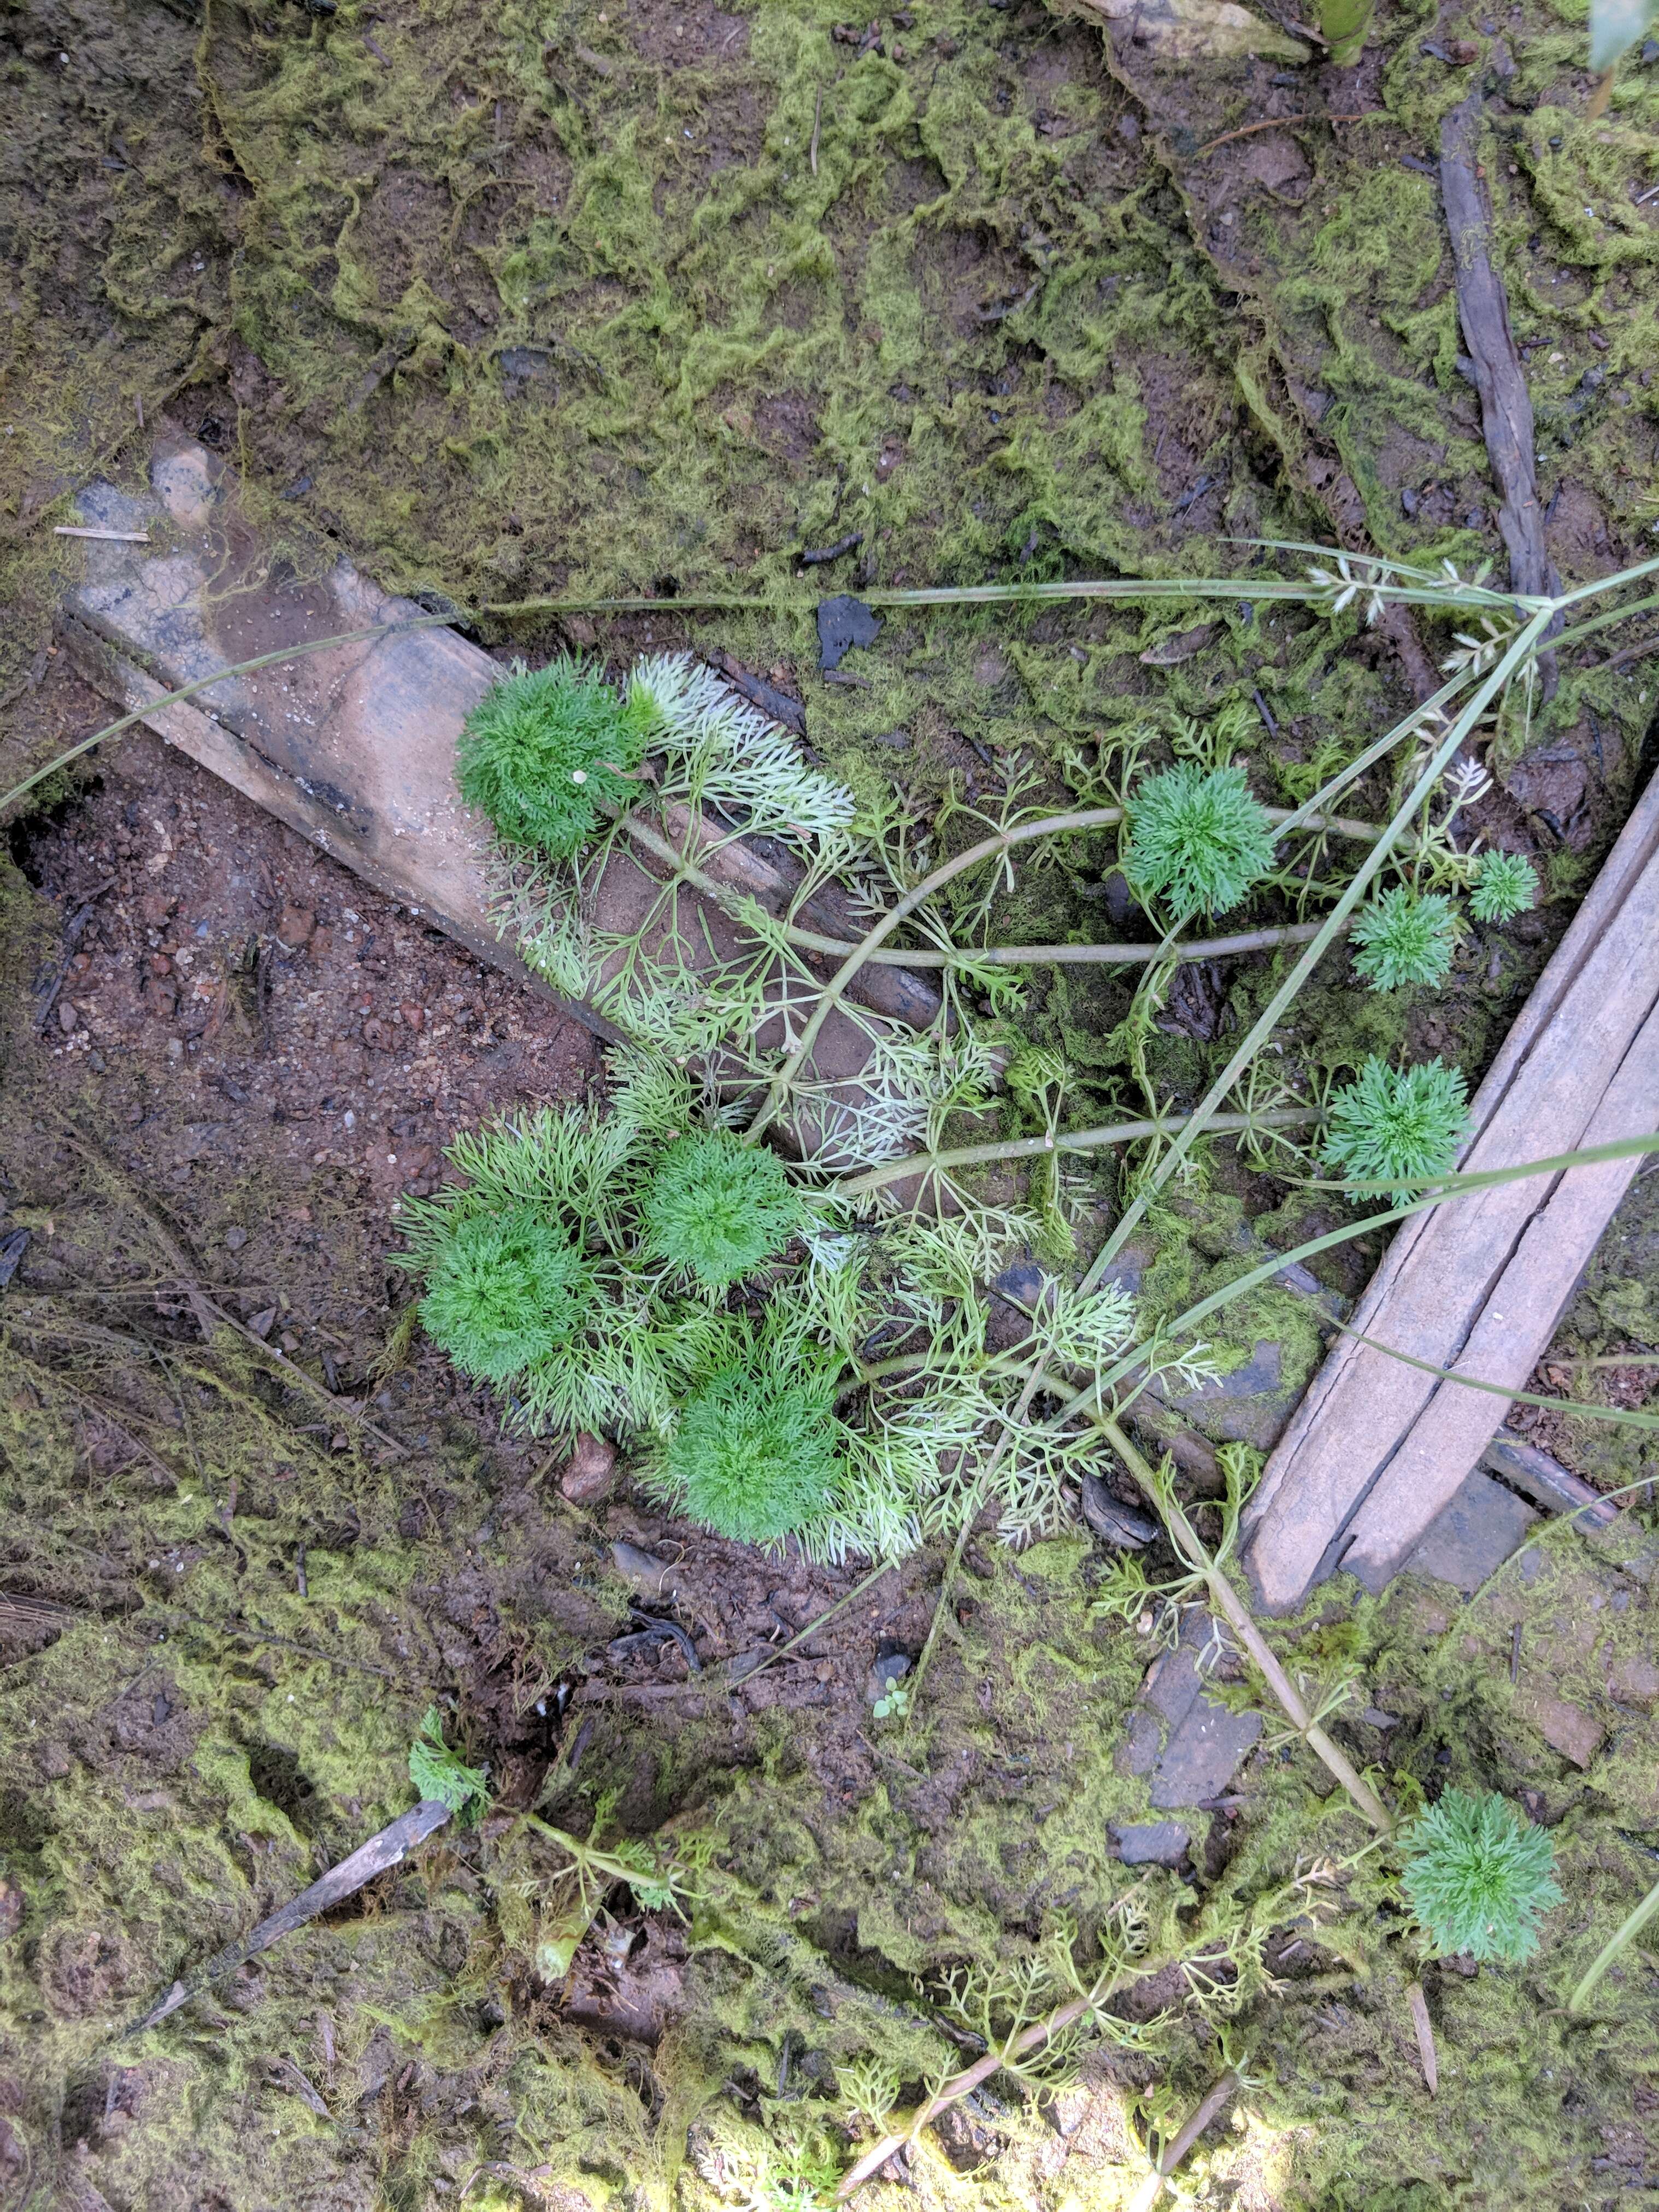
(1077, 1140)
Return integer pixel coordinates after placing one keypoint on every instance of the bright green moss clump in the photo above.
(1197, 837)
(503, 1292)
(1480, 1877)
(1397, 1125)
(718, 1207)
(544, 749)
(754, 1455)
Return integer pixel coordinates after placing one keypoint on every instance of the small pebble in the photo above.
(235, 1239)
(68, 1018)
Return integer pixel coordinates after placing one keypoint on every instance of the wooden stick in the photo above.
(386, 1849)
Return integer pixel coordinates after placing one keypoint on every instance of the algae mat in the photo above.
(654, 299)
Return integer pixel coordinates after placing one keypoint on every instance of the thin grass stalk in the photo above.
(1131, 591)
(1452, 1187)
(1077, 1140)
(206, 683)
(1626, 1932)
(1622, 1416)
(1227, 1602)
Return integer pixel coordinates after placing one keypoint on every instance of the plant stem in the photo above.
(1345, 24)
(987, 848)
(960, 2085)
(1013, 956)
(1077, 1140)
(1626, 1932)
(1519, 651)
(1219, 2096)
(206, 683)
(1233, 1607)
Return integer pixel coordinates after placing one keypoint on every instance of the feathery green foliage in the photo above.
(1405, 938)
(506, 1290)
(717, 1207)
(1397, 1125)
(543, 747)
(754, 1454)
(1198, 837)
(440, 1773)
(1480, 1876)
(1505, 884)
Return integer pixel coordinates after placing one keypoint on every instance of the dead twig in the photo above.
(817, 117)
(72, 929)
(1281, 123)
(1423, 2028)
(375, 1857)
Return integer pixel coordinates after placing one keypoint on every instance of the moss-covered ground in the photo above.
(647, 297)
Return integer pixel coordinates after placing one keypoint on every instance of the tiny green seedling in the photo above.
(1404, 940)
(547, 750)
(717, 1207)
(506, 1290)
(1198, 838)
(1480, 1877)
(1397, 1125)
(1505, 884)
(894, 1705)
(440, 1774)
(755, 1454)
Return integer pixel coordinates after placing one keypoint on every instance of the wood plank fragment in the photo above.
(355, 747)
(382, 1851)
(1444, 1270)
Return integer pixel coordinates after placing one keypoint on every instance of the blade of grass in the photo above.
(1618, 1414)
(1626, 1934)
(1076, 1140)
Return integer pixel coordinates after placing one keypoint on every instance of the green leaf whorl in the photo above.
(754, 1455)
(1197, 837)
(503, 1291)
(542, 748)
(718, 1207)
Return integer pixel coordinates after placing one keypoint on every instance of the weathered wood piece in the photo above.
(386, 1849)
(355, 747)
(1376, 1447)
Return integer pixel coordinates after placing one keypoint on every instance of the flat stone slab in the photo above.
(1472, 1535)
(1151, 1842)
(1188, 1743)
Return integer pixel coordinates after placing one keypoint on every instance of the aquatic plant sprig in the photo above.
(1480, 1876)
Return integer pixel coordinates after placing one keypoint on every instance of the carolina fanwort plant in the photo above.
(1480, 1877)
(1397, 1125)
(545, 750)
(1406, 939)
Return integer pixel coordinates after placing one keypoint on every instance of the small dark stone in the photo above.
(1116, 1522)
(1151, 1842)
(844, 623)
(1408, 502)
